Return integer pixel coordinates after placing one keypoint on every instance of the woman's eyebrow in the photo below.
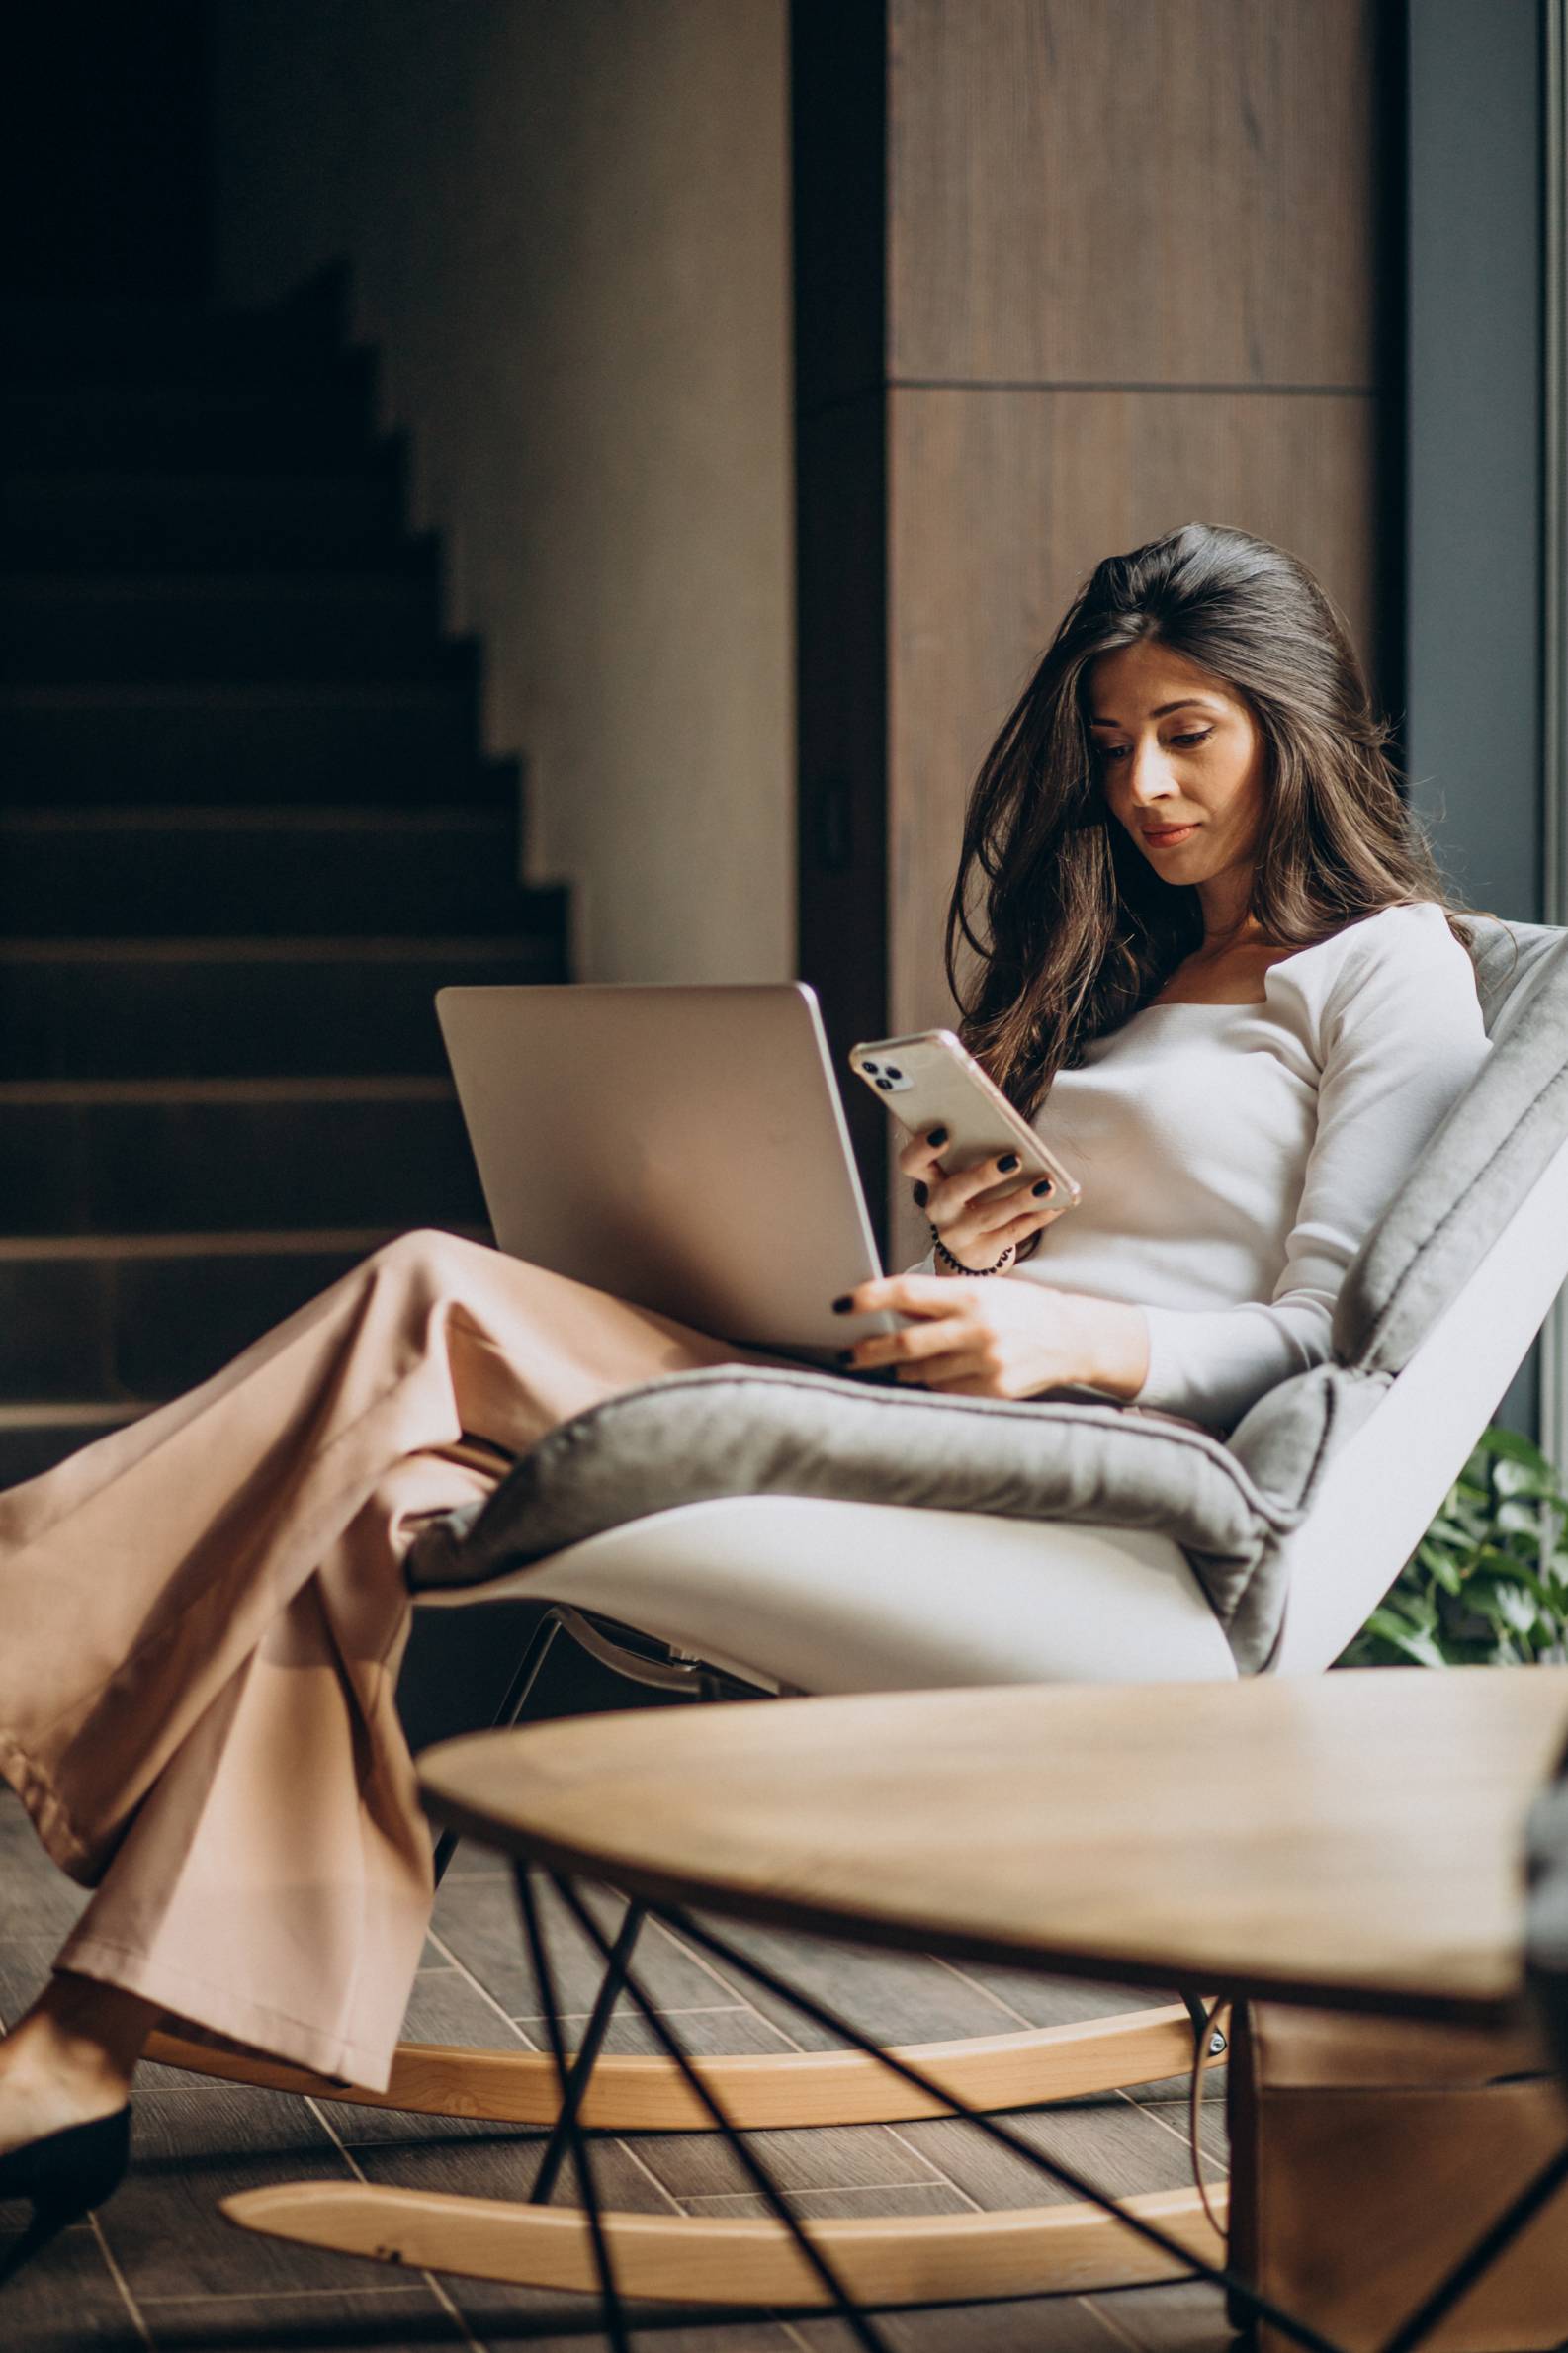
(1189, 702)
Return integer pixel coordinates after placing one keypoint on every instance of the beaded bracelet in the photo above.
(957, 1265)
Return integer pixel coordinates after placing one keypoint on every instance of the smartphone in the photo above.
(932, 1081)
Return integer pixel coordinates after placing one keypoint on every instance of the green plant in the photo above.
(1488, 1583)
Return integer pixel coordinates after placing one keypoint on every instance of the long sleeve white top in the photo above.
(1233, 1157)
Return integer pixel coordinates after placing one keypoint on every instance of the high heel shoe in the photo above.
(66, 2175)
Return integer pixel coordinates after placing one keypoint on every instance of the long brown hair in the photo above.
(1074, 929)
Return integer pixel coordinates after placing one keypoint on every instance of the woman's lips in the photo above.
(1165, 836)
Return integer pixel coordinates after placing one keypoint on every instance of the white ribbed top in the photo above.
(1234, 1156)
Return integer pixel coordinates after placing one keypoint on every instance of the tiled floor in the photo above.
(160, 2268)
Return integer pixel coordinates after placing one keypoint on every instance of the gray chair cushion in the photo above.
(1475, 1170)
(739, 1431)
(1229, 1504)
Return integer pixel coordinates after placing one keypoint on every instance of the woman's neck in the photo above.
(1227, 921)
(1237, 939)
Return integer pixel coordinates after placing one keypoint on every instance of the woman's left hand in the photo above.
(1003, 1337)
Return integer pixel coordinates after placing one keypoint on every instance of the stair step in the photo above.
(163, 872)
(141, 1319)
(65, 521)
(35, 1438)
(248, 830)
(210, 1008)
(60, 336)
(108, 742)
(188, 428)
(164, 1156)
(214, 362)
(177, 627)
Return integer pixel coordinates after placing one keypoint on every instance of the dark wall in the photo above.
(102, 149)
(838, 192)
(1474, 457)
(1476, 373)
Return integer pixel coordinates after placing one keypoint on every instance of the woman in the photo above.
(1213, 957)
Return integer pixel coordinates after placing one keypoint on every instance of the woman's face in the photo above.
(1183, 761)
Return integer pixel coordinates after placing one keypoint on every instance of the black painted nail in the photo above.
(847, 1355)
(922, 1194)
(844, 1305)
(936, 1135)
(1008, 1162)
(1043, 1187)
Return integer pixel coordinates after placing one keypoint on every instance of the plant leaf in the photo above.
(1488, 1581)
(1410, 1642)
(1511, 1446)
(1521, 1478)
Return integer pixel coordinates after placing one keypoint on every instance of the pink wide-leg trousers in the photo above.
(201, 1620)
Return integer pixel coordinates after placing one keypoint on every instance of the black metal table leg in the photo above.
(761, 2180)
(582, 2066)
(569, 2134)
(614, 2317)
(518, 1694)
(995, 2130)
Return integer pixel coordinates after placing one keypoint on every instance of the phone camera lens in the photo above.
(871, 1067)
(886, 1086)
(894, 1074)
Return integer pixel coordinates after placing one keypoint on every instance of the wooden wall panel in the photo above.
(1002, 504)
(1140, 268)
(1132, 190)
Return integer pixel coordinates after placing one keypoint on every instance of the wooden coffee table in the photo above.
(1351, 1841)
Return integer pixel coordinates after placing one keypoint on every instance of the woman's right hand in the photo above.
(976, 1212)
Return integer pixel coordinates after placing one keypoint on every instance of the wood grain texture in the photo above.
(376, 2319)
(913, 1998)
(1350, 1840)
(1412, 2172)
(1133, 2156)
(1189, 2319)
(1132, 190)
(646, 2093)
(189, 2147)
(1002, 506)
(690, 2260)
(69, 2299)
(480, 1926)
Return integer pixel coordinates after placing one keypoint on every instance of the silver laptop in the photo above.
(683, 1148)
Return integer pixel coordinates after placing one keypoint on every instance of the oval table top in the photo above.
(1350, 1839)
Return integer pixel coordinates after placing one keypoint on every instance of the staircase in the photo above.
(246, 831)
